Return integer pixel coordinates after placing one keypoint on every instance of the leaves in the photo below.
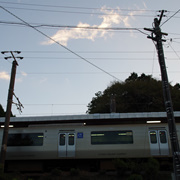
(137, 94)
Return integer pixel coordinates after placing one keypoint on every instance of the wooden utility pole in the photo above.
(167, 95)
(8, 108)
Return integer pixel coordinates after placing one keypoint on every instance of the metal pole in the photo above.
(8, 112)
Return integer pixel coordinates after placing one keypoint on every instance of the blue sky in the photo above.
(61, 76)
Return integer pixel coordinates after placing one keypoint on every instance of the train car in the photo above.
(38, 142)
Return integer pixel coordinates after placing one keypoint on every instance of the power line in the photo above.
(96, 59)
(77, 12)
(78, 27)
(61, 44)
(174, 51)
(36, 25)
(76, 7)
(92, 73)
(170, 17)
(84, 13)
(97, 52)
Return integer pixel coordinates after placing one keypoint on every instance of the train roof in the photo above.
(93, 119)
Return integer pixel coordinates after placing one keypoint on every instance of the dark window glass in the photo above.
(25, 139)
(153, 137)
(62, 139)
(71, 139)
(112, 137)
(162, 135)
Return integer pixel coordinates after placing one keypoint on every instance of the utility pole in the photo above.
(9, 105)
(166, 93)
(113, 104)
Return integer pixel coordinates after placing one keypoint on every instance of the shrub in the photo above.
(56, 172)
(152, 169)
(121, 166)
(135, 177)
(74, 172)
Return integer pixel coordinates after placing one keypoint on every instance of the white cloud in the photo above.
(23, 74)
(4, 75)
(111, 17)
(43, 80)
(21, 78)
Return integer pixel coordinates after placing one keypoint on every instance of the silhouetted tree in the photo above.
(2, 113)
(136, 94)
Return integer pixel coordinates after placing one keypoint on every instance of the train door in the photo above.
(66, 144)
(158, 142)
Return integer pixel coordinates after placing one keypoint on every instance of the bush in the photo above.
(74, 172)
(152, 169)
(121, 166)
(135, 177)
(135, 166)
(56, 172)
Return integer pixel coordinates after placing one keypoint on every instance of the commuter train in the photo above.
(36, 142)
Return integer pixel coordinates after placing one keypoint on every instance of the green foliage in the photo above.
(56, 172)
(136, 94)
(152, 169)
(74, 172)
(137, 168)
(121, 166)
(135, 177)
(2, 113)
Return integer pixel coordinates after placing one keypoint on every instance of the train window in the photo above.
(162, 135)
(25, 139)
(62, 139)
(112, 137)
(71, 139)
(153, 137)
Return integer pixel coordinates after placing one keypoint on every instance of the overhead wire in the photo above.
(74, 7)
(77, 12)
(170, 17)
(95, 58)
(41, 25)
(60, 44)
(75, 27)
(174, 50)
(97, 52)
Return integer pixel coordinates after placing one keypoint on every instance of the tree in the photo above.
(2, 113)
(136, 94)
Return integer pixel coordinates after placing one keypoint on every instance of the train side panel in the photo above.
(88, 142)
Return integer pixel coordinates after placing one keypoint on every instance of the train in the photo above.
(38, 142)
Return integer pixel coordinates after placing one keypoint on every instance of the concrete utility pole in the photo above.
(9, 105)
(113, 104)
(167, 95)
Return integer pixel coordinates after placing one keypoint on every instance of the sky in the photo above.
(73, 49)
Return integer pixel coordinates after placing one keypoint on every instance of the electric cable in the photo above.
(60, 44)
(74, 7)
(170, 17)
(77, 12)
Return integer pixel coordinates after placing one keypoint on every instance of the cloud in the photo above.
(43, 80)
(23, 74)
(21, 78)
(4, 75)
(111, 18)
